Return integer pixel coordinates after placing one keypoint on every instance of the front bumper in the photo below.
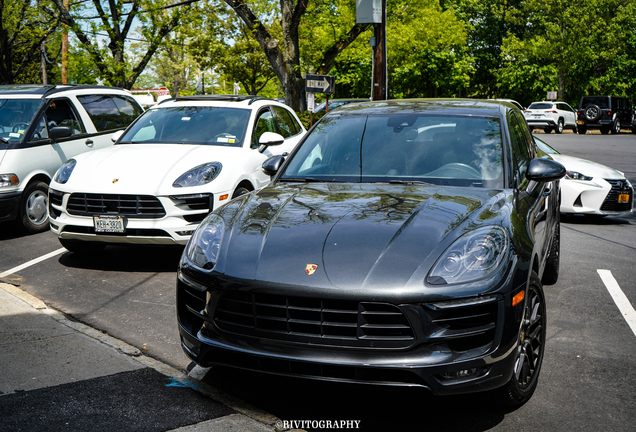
(441, 359)
(9, 206)
(595, 197)
(174, 226)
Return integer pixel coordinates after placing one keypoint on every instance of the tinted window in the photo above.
(189, 125)
(285, 123)
(539, 105)
(60, 113)
(104, 111)
(264, 123)
(601, 101)
(447, 150)
(519, 156)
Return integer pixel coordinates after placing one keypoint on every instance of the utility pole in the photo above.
(379, 90)
(65, 49)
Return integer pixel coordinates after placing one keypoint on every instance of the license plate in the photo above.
(623, 198)
(580, 122)
(109, 224)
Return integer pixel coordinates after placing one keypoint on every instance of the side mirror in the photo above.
(269, 139)
(59, 132)
(114, 137)
(544, 170)
(272, 165)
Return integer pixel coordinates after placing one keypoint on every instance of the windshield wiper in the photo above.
(303, 179)
(407, 182)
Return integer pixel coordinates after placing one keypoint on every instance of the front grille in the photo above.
(463, 327)
(611, 203)
(313, 320)
(134, 206)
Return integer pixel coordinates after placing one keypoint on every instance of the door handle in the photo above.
(89, 142)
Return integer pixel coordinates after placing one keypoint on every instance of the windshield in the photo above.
(189, 125)
(15, 117)
(445, 150)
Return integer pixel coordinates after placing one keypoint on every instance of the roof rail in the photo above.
(226, 98)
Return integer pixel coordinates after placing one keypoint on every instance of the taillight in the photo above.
(553, 112)
(609, 113)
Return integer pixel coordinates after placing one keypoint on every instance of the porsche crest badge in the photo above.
(311, 269)
(115, 181)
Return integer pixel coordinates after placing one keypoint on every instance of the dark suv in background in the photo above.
(607, 113)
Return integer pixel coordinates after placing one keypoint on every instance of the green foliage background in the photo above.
(436, 48)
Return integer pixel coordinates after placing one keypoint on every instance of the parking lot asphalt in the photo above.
(586, 384)
(60, 375)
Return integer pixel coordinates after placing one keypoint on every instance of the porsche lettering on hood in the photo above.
(275, 234)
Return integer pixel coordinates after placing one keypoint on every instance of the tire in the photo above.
(551, 271)
(547, 130)
(592, 113)
(616, 127)
(581, 129)
(34, 209)
(559, 128)
(530, 349)
(82, 247)
(605, 130)
(240, 191)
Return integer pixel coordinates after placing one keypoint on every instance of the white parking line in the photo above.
(619, 297)
(32, 262)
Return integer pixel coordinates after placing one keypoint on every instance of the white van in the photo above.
(41, 126)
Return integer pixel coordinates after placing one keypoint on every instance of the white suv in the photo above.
(550, 116)
(181, 159)
(41, 126)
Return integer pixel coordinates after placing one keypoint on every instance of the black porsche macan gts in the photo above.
(402, 243)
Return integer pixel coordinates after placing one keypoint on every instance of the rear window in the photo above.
(601, 101)
(110, 112)
(540, 105)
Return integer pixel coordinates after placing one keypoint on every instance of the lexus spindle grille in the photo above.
(611, 203)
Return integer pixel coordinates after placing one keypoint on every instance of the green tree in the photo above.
(23, 30)
(114, 23)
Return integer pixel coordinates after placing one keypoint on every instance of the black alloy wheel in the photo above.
(530, 349)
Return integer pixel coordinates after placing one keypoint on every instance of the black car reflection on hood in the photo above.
(401, 243)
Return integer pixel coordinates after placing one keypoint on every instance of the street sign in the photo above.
(552, 95)
(368, 11)
(325, 84)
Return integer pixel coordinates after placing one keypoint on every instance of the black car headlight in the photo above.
(203, 248)
(199, 175)
(64, 173)
(475, 255)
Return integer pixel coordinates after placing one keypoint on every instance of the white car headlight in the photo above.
(203, 248)
(475, 255)
(7, 180)
(199, 175)
(577, 176)
(64, 173)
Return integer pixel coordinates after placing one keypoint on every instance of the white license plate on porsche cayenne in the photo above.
(109, 224)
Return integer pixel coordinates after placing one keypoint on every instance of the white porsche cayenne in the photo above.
(590, 188)
(178, 161)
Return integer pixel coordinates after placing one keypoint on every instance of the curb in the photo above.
(197, 372)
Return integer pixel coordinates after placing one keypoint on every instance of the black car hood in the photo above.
(359, 236)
